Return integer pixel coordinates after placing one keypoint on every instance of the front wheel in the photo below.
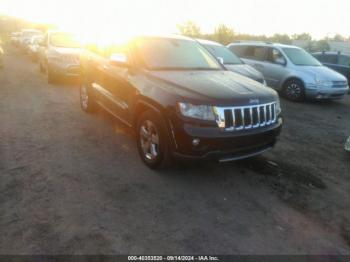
(152, 140)
(87, 101)
(294, 90)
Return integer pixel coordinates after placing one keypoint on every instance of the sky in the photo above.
(320, 18)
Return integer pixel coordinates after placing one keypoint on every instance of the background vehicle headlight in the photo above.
(323, 82)
(202, 112)
(278, 106)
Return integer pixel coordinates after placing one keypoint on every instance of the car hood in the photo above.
(322, 73)
(221, 88)
(246, 70)
(67, 51)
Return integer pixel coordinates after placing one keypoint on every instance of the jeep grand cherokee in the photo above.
(180, 100)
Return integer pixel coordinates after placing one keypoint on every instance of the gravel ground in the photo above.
(72, 183)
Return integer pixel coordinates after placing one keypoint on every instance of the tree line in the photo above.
(225, 35)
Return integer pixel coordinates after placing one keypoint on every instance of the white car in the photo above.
(59, 54)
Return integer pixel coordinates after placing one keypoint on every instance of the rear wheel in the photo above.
(152, 140)
(294, 90)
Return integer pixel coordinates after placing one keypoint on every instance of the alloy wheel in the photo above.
(149, 140)
(84, 97)
(293, 91)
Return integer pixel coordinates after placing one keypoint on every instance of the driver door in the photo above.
(275, 68)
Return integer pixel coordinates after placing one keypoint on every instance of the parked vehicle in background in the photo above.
(347, 145)
(25, 37)
(336, 60)
(59, 55)
(292, 71)
(1, 55)
(33, 47)
(180, 100)
(14, 38)
(231, 61)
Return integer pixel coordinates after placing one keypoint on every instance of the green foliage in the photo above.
(223, 34)
(302, 37)
(190, 29)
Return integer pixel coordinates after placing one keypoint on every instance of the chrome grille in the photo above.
(245, 117)
(339, 84)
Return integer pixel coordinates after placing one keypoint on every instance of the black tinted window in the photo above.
(344, 60)
(330, 59)
(256, 53)
(238, 50)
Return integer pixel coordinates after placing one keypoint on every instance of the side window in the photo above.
(238, 50)
(329, 59)
(276, 57)
(344, 60)
(256, 53)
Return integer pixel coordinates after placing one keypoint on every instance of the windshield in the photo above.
(301, 57)
(175, 54)
(64, 40)
(223, 52)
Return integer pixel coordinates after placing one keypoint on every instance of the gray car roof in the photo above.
(250, 43)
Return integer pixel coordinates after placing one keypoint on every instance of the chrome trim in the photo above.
(269, 117)
(229, 159)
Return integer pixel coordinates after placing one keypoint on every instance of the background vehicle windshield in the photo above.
(223, 52)
(64, 40)
(301, 57)
(175, 54)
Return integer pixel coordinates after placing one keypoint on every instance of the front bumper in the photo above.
(65, 69)
(223, 146)
(326, 93)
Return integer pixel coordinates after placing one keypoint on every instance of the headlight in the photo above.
(202, 112)
(323, 82)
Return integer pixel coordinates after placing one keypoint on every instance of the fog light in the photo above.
(196, 141)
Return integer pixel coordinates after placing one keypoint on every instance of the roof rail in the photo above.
(253, 41)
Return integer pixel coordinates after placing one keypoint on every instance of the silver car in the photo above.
(231, 61)
(292, 71)
(59, 54)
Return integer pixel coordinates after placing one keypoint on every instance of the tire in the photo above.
(294, 90)
(153, 140)
(52, 77)
(87, 101)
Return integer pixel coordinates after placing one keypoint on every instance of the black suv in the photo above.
(336, 60)
(180, 100)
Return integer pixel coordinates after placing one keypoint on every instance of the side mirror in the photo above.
(220, 59)
(120, 60)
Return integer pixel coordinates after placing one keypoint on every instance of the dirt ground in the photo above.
(73, 183)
